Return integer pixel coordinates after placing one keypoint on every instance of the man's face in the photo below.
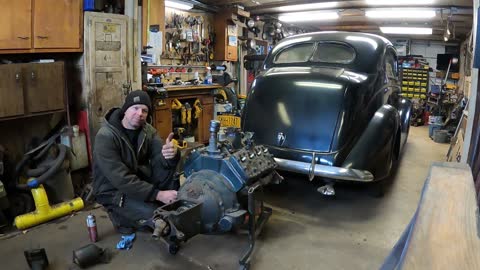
(135, 116)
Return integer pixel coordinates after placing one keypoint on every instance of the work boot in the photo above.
(121, 225)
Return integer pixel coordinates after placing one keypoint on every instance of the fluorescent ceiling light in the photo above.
(400, 13)
(308, 16)
(407, 30)
(178, 5)
(308, 6)
(399, 3)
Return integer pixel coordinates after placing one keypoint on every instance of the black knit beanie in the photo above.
(137, 97)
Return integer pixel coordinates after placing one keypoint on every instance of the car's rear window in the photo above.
(295, 54)
(333, 53)
(325, 52)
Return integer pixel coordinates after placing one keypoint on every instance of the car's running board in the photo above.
(312, 169)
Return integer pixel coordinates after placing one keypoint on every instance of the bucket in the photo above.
(432, 128)
(434, 119)
(441, 136)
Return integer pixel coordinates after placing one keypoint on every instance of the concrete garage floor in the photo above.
(307, 231)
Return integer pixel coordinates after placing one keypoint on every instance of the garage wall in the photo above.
(428, 49)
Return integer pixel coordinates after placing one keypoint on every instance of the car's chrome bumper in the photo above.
(312, 169)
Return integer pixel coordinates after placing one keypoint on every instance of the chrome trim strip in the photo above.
(311, 170)
(324, 170)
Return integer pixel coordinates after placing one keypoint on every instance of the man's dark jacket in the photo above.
(119, 169)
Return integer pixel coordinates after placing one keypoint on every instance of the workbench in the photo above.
(162, 116)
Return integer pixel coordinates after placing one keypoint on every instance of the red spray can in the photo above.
(92, 228)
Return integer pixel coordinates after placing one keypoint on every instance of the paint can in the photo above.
(92, 228)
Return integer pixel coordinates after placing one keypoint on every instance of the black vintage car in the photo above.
(327, 104)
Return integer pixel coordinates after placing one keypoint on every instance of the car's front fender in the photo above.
(373, 150)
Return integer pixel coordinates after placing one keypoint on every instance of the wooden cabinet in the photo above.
(225, 29)
(35, 26)
(11, 91)
(163, 121)
(44, 87)
(56, 24)
(29, 89)
(163, 116)
(204, 121)
(16, 24)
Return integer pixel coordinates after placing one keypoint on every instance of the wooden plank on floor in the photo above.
(445, 234)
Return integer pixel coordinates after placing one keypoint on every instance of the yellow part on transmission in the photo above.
(44, 211)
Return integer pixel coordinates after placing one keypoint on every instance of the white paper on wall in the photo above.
(155, 41)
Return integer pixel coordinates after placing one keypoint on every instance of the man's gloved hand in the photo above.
(166, 196)
(169, 149)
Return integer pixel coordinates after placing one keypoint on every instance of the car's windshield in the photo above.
(334, 53)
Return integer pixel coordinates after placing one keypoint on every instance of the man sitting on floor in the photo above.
(133, 169)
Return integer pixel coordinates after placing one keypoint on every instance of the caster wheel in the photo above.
(173, 248)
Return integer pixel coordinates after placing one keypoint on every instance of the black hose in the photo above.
(20, 165)
(41, 169)
(52, 170)
(49, 144)
(37, 171)
(28, 156)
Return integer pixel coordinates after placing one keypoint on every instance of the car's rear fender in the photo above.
(404, 110)
(374, 150)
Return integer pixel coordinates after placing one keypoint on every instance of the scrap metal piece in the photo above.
(327, 190)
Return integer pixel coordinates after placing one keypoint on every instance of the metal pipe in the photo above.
(212, 142)
(325, 171)
(160, 225)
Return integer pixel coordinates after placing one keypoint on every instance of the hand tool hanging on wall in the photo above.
(198, 108)
(178, 137)
(183, 118)
(176, 104)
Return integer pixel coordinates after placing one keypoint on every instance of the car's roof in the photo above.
(369, 47)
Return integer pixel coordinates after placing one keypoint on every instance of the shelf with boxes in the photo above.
(414, 82)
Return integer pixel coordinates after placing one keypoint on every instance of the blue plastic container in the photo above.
(88, 5)
(432, 128)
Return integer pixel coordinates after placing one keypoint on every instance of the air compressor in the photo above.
(222, 192)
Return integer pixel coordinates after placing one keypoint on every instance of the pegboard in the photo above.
(187, 36)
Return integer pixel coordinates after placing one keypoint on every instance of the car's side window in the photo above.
(295, 54)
